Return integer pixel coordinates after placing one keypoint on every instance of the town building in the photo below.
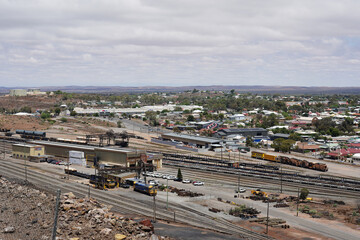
(246, 132)
(27, 151)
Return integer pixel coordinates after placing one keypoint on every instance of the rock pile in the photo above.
(85, 218)
(25, 212)
(28, 213)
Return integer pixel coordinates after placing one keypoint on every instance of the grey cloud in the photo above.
(178, 42)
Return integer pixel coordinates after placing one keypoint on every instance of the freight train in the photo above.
(145, 188)
(290, 161)
(31, 134)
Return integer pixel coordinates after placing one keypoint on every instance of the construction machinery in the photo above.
(259, 193)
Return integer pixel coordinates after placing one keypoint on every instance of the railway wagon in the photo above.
(145, 188)
(258, 155)
(264, 156)
(290, 161)
(270, 157)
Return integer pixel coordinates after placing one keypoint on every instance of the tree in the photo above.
(119, 124)
(269, 121)
(112, 115)
(249, 142)
(190, 118)
(178, 109)
(63, 119)
(221, 116)
(179, 175)
(177, 130)
(25, 109)
(45, 115)
(304, 193)
(282, 145)
(57, 110)
(73, 113)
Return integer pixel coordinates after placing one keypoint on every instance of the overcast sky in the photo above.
(178, 43)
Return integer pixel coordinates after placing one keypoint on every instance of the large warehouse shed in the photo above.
(112, 156)
(191, 139)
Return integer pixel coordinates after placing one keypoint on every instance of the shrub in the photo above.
(312, 212)
(304, 193)
(63, 119)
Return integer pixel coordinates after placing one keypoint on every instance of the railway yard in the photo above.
(222, 175)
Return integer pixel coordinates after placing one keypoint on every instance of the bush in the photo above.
(304, 193)
(63, 119)
(312, 212)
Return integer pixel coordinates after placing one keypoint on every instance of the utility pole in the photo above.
(154, 209)
(281, 178)
(56, 214)
(167, 194)
(239, 181)
(221, 151)
(297, 204)
(25, 163)
(267, 217)
(68, 166)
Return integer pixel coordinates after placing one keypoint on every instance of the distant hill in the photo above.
(241, 88)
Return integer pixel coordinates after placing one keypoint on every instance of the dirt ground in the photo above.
(346, 215)
(23, 122)
(34, 102)
(275, 232)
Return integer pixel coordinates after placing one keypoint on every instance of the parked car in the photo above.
(165, 176)
(170, 177)
(124, 185)
(158, 175)
(153, 182)
(186, 181)
(198, 183)
(240, 190)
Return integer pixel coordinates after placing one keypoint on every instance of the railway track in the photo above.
(131, 206)
(349, 184)
(272, 185)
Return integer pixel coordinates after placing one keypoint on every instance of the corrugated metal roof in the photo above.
(192, 137)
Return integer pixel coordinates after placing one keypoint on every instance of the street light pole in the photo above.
(297, 204)
(281, 178)
(239, 182)
(167, 194)
(25, 163)
(267, 217)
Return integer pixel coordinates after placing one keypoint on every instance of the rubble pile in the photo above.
(244, 212)
(184, 193)
(28, 213)
(25, 212)
(88, 219)
(273, 222)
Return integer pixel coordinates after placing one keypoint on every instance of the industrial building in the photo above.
(26, 92)
(204, 142)
(246, 132)
(26, 151)
(105, 155)
(18, 92)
